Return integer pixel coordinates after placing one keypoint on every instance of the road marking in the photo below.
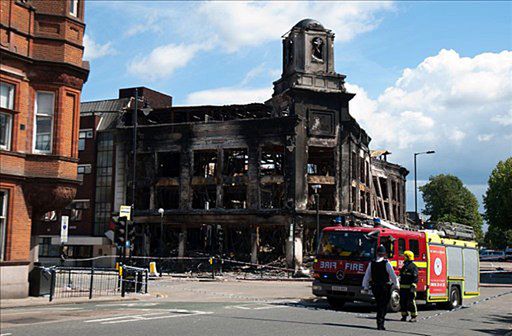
(150, 316)
(135, 304)
(7, 334)
(249, 307)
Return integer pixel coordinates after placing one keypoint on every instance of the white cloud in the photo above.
(231, 26)
(95, 50)
(449, 103)
(229, 95)
(485, 137)
(238, 24)
(164, 60)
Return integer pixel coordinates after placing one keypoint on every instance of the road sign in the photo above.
(125, 211)
(64, 220)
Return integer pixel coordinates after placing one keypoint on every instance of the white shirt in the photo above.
(389, 269)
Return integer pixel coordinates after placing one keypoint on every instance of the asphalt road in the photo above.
(251, 308)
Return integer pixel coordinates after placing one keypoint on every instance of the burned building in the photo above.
(248, 180)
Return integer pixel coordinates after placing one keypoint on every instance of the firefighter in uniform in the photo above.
(382, 278)
(408, 284)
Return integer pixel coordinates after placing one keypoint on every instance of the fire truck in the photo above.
(446, 256)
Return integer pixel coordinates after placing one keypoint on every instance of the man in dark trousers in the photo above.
(408, 284)
(381, 276)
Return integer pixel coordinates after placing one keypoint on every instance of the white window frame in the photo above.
(73, 8)
(8, 131)
(52, 116)
(3, 224)
(10, 101)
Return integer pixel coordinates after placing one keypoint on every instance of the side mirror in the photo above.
(372, 235)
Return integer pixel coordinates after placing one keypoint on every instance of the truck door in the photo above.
(438, 286)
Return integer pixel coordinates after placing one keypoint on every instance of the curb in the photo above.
(56, 303)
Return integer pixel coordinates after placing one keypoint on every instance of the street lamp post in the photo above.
(134, 166)
(416, 184)
(161, 246)
(317, 201)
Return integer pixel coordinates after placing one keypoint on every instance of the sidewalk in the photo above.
(44, 301)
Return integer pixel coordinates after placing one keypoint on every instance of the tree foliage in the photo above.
(498, 205)
(448, 200)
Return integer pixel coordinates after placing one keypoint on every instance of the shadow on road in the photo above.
(354, 326)
(506, 319)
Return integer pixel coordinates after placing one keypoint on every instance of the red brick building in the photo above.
(41, 75)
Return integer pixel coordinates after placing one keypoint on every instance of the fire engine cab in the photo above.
(446, 257)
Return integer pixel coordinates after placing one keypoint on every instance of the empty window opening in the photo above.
(142, 196)
(271, 162)
(354, 198)
(168, 197)
(353, 163)
(236, 162)
(205, 163)
(235, 197)
(326, 197)
(362, 176)
(204, 197)
(272, 196)
(321, 161)
(168, 164)
(384, 187)
(362, 201)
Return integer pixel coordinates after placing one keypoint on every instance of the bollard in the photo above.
(91, 284)
(147, 278)
(212, 262)
(52, 284)
(152, 269)
(122, 281)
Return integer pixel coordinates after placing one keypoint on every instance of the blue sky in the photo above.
(428, 75)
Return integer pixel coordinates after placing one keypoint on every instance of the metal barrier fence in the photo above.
(90, 282)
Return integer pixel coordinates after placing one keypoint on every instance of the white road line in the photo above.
(7, 334)
(248, 307)
(147, 317)
(142, 318)
(135, 304)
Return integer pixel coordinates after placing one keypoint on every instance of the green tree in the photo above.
(498, 205)
(447, 200)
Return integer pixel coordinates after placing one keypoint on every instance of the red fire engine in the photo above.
(447, 261)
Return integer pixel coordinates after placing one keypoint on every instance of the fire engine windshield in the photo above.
(346, 245)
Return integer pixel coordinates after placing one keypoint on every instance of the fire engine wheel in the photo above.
(454, 299)
(335, 303)
(394, 301)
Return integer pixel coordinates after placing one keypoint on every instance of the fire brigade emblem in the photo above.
(340, 275)
(438, 266)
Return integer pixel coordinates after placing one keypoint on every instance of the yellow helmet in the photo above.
(409, 255)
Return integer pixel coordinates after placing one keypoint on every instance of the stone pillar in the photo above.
(182, 242)
(294, 246)
(255, 244)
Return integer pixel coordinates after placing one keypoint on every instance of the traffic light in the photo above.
(121, 225)
(130, 226)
